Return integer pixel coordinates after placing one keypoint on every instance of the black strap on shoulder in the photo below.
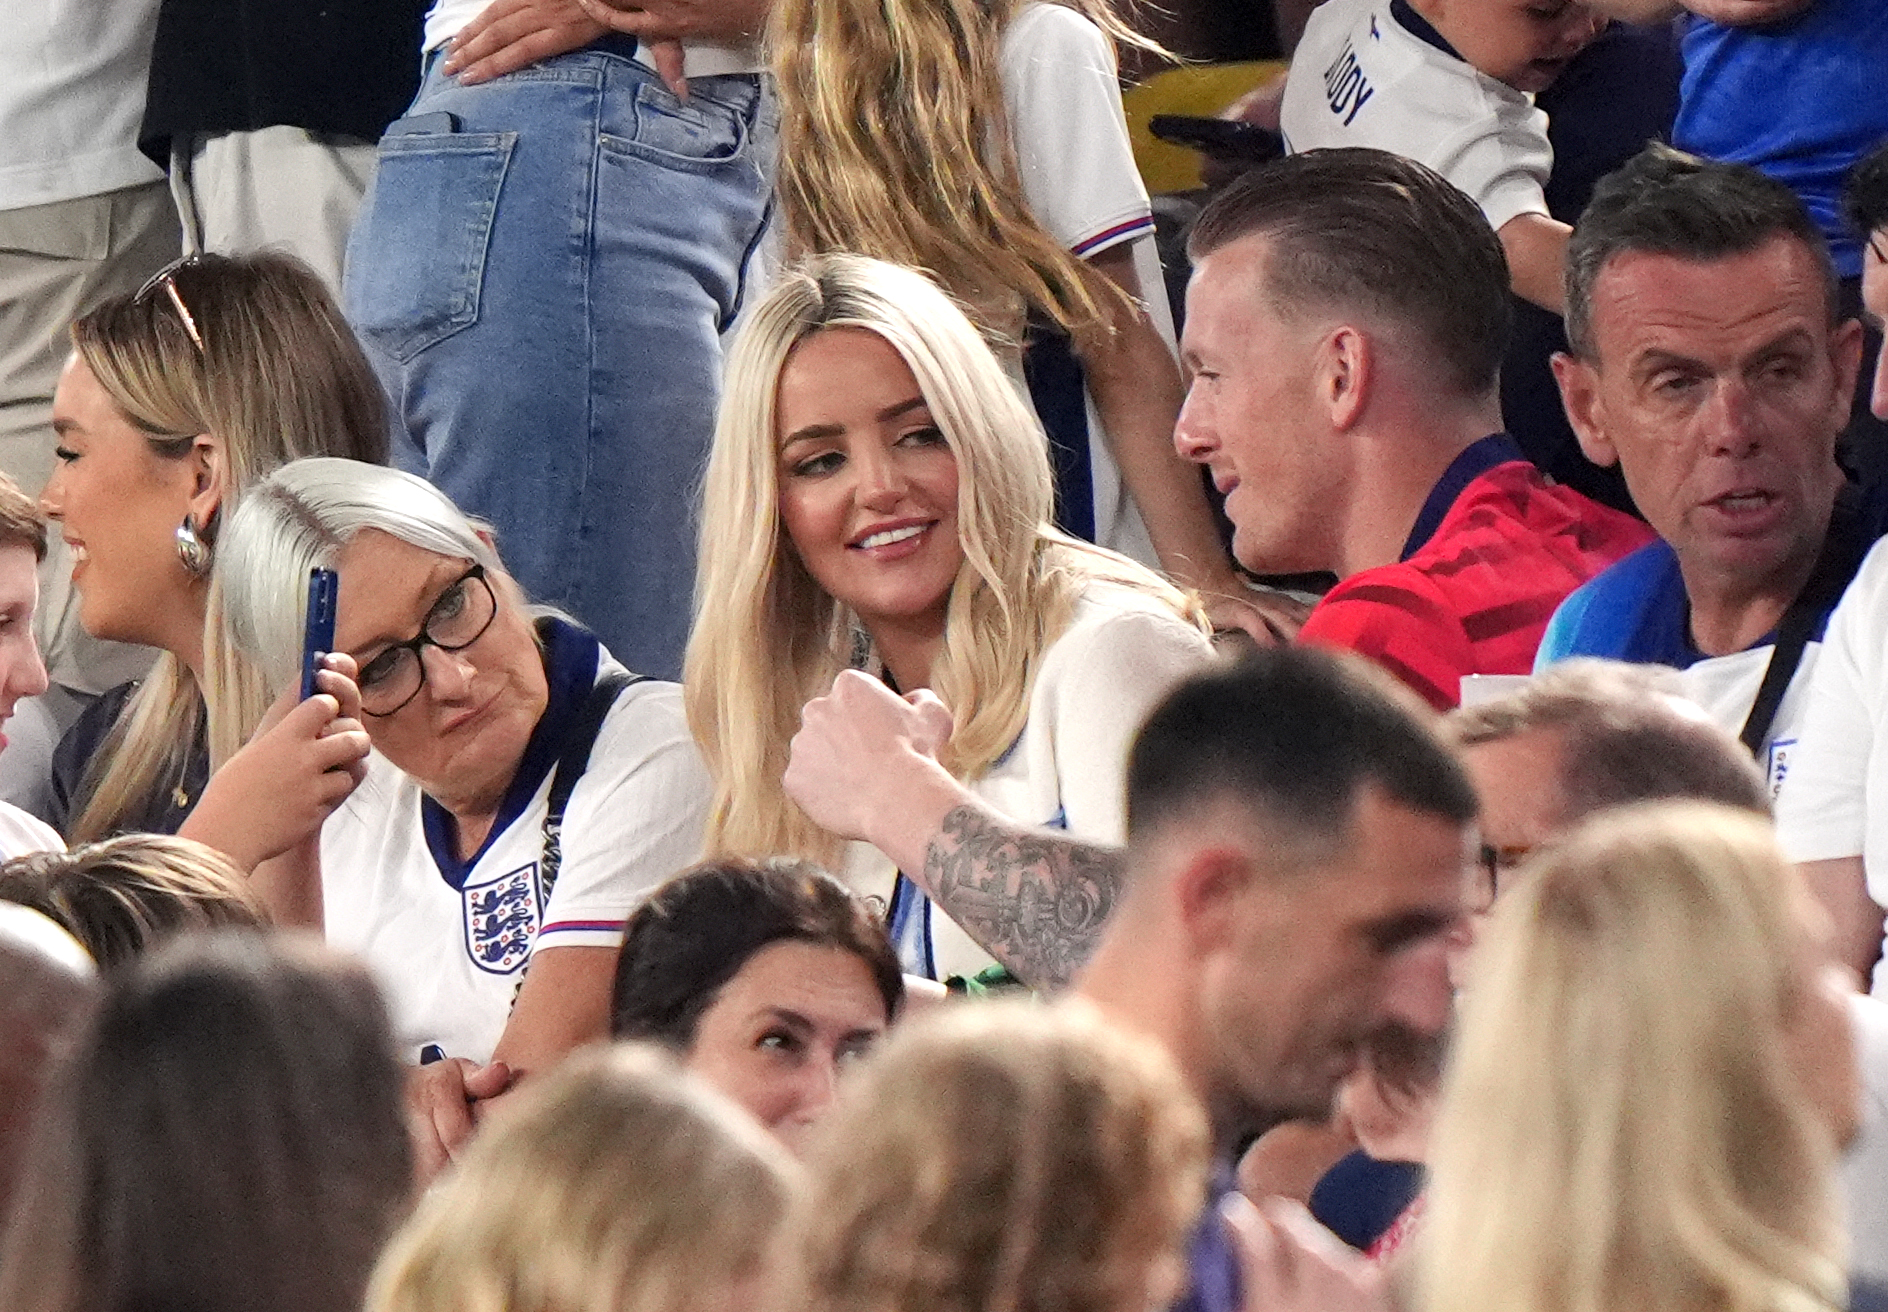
(571, 763)
(1842, 552)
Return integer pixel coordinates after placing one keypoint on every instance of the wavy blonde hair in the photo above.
(1006, 1157)
(895, 142)
(280, 375)
(1622, 1123)
(767, 638)
(618, 1184)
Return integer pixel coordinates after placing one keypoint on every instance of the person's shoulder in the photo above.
(22, 832)
(1400, 594)
(646, 707)
(1044, 27)
(1520, 500)
(1608, 614)
(87, 734)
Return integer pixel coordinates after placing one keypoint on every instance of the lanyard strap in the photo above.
(1841, 555)
(571, 763)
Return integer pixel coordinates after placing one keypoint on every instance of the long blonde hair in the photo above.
(1622, 1123)
(895, 142)
(279, 375)
(767, 638)
(618, 1184)
(1007, 1157)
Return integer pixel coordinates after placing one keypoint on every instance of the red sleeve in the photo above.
(1394, 617)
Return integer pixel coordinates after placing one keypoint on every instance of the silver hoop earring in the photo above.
(192, 550)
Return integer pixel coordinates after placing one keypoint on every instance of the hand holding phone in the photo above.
(318, 627)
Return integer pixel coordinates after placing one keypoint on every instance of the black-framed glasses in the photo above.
(458, 619)
(166, 278)
(1493, 865)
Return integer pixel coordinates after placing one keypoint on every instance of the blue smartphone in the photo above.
(318, 628)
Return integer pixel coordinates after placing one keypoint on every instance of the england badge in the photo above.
(501, 919)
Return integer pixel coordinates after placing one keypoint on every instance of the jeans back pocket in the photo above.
(416, 263)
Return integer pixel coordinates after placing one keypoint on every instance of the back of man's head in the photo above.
(1665, 202)
(1623, 738)
(1369, 233)
(1865, 197)
(1293, 735)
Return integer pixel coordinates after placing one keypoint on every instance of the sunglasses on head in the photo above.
(166, 278)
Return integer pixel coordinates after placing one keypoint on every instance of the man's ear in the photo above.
(1845, 354)
(1210, 895)
(209, 479)
(1346, 371)
(1580, 397)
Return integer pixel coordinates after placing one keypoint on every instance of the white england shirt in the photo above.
(449, 941)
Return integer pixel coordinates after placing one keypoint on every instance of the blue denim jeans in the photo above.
(541, 276)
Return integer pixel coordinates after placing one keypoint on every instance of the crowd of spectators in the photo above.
(649, 671)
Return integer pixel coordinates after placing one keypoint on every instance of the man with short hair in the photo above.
(1345, 327)
(1584, 736)
(1296, 837)
(1710, 361)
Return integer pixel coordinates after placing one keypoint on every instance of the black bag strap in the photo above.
(571, 763)
(1842, 552)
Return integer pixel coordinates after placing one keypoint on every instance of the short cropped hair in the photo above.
(1624, 738)
(1294, 734)
(1364, 231)
(1865, 198)
(1665, 202)
(693, 935)
(122, 896)
(21, 524)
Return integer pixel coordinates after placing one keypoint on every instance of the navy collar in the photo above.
(571, 657)
(1477, 459)
(1421, 28)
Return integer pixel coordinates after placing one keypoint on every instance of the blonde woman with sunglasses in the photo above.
(174, 401)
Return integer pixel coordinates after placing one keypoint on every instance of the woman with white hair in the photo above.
(1652, 1077)
(524, 791)
(878, 497)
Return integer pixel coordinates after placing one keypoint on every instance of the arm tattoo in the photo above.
(1035, 900)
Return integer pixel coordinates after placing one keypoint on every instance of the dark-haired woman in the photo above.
(766, 977)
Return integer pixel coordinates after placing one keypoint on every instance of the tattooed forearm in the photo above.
(1035, 900)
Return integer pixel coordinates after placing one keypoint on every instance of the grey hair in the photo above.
(1627, 735)
(301, 518)
(1665, 202)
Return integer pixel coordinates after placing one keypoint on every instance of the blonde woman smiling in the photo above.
(878, 497)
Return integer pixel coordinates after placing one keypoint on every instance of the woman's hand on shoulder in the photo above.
(302, 762)
(1270, 619)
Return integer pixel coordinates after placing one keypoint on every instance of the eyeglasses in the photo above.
(457, 620)
(1492, 865)
(166, 278)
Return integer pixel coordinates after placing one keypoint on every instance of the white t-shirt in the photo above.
(1834, 802)
(72, 79)
(1360, 78)
(21, 833)
(449, 941)
(699, 58)
(1062, 93)
(1122, 652)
